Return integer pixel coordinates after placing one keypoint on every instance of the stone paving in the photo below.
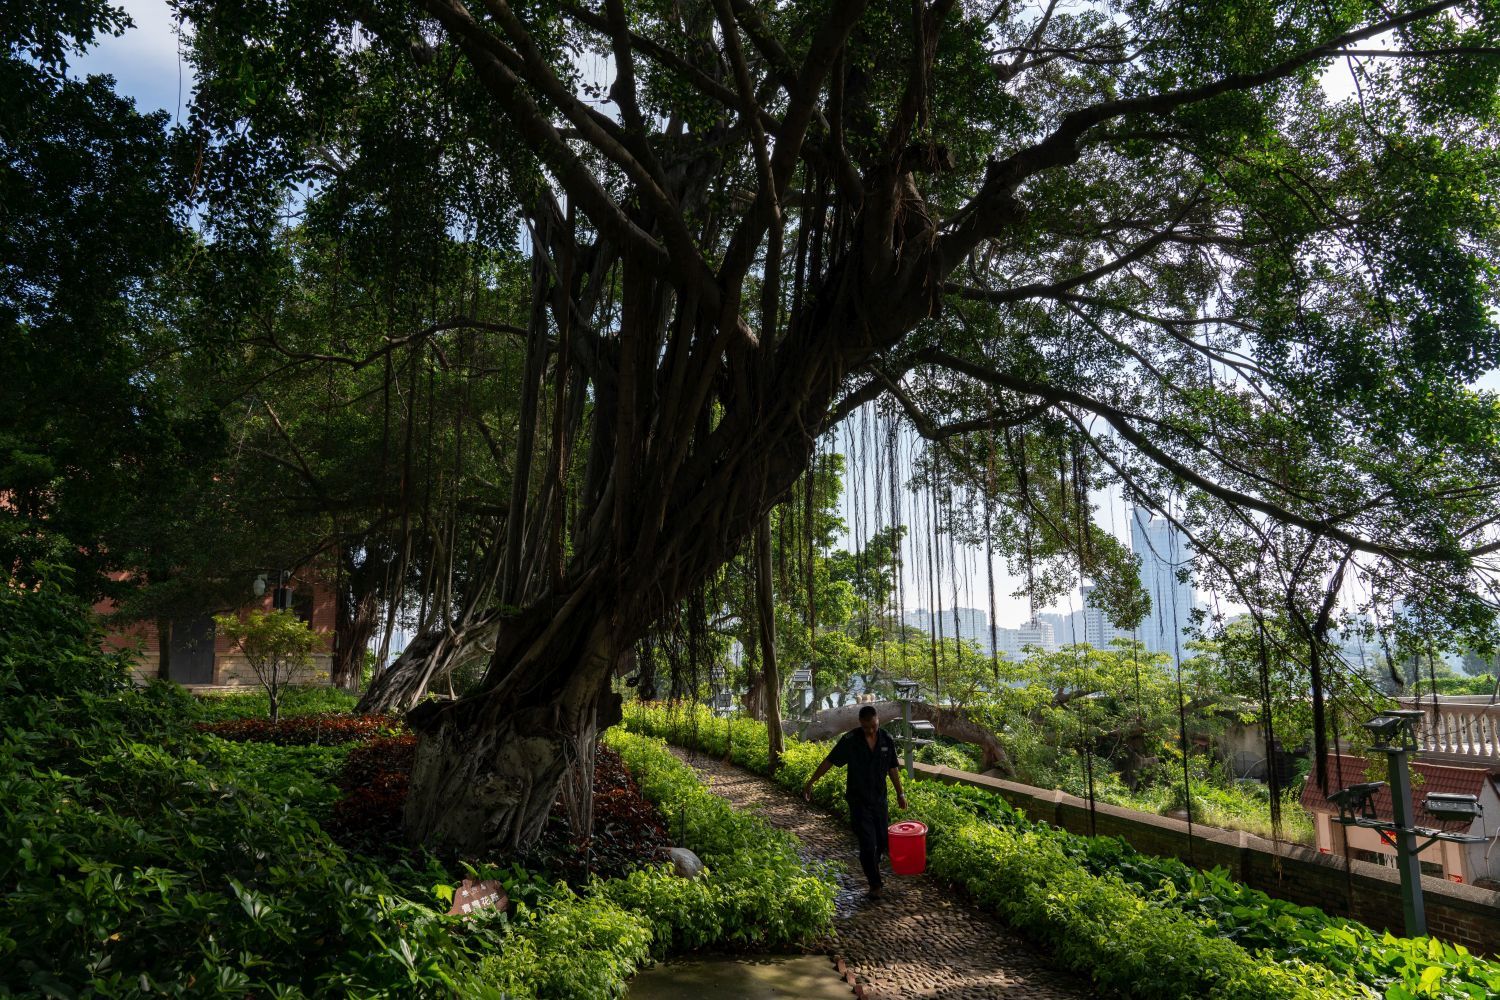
(922, 939)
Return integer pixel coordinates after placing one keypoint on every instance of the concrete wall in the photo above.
(232, 670)
(1368, 893)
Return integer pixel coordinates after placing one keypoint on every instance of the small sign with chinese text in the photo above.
(471, 896)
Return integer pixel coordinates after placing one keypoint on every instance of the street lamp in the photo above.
(1395, 734)
(1449, 806)
(801, 683)
(281, 597)
(906, 690)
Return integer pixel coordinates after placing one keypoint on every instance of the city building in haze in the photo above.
(1164, 553)
(1067, 629)
(973, 624)
(1013, 641)
(1097, 629)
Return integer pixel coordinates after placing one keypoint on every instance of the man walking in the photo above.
(869, 753)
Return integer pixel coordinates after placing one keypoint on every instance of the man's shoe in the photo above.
(874, 893)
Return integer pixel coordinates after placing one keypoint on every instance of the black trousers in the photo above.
(871, 828)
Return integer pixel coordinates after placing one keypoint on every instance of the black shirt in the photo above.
(865, 779)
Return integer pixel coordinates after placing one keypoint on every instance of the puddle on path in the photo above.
(755, 977)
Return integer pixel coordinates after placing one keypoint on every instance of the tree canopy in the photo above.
(1075, 246)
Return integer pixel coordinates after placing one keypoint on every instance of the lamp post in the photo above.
(802, 684)
(906, 688)
(1395, 734)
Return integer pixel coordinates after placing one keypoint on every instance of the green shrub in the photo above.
(314, 700)
(959, 756)
(756, 891)
(1139, 924)
(566, 946)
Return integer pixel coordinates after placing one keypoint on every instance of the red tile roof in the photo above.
(1346, 769)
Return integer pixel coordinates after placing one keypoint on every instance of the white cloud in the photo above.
(144, 61)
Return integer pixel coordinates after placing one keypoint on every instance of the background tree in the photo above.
(97, 434)
(278, 646)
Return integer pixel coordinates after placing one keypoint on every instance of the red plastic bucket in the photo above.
(908, 847)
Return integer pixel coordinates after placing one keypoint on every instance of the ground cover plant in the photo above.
(1138, 924)
(151, 858)
(154, 857)
(256, 704)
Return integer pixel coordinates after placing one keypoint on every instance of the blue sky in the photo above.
(144, 61)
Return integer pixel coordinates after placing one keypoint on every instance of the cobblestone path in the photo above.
(922, 939)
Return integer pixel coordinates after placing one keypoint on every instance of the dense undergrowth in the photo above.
(1136, 924)
(147, 857)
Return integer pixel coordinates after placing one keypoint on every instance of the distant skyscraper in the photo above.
(1037, 633)
(1097, 629)
(973, 624)
(1067, 629)
(1164, 553)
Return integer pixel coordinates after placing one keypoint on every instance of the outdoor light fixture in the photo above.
(1397, 724)
(1454, 806)
(1395, 735)
(906, 690)
(801, 682)
(258, 588)
(1357, 799)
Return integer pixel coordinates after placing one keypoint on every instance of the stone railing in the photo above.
(1463, 728)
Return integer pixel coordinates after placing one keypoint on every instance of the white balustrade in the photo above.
(1467, 728)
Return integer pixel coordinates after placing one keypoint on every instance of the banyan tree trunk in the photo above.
(1133, 757)
(753, 699)
(352, 630)
(949, 723)
(766, 613)
(489, 767)
(426, 660)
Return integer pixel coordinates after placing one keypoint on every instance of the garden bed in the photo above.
(627, 830)
(1139, 925)
(152, 856)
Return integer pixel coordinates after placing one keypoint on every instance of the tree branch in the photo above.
(994, 205)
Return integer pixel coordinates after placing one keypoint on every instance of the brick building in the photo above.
(201, 659)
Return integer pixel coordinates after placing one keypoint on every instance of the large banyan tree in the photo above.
(1239, 256)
